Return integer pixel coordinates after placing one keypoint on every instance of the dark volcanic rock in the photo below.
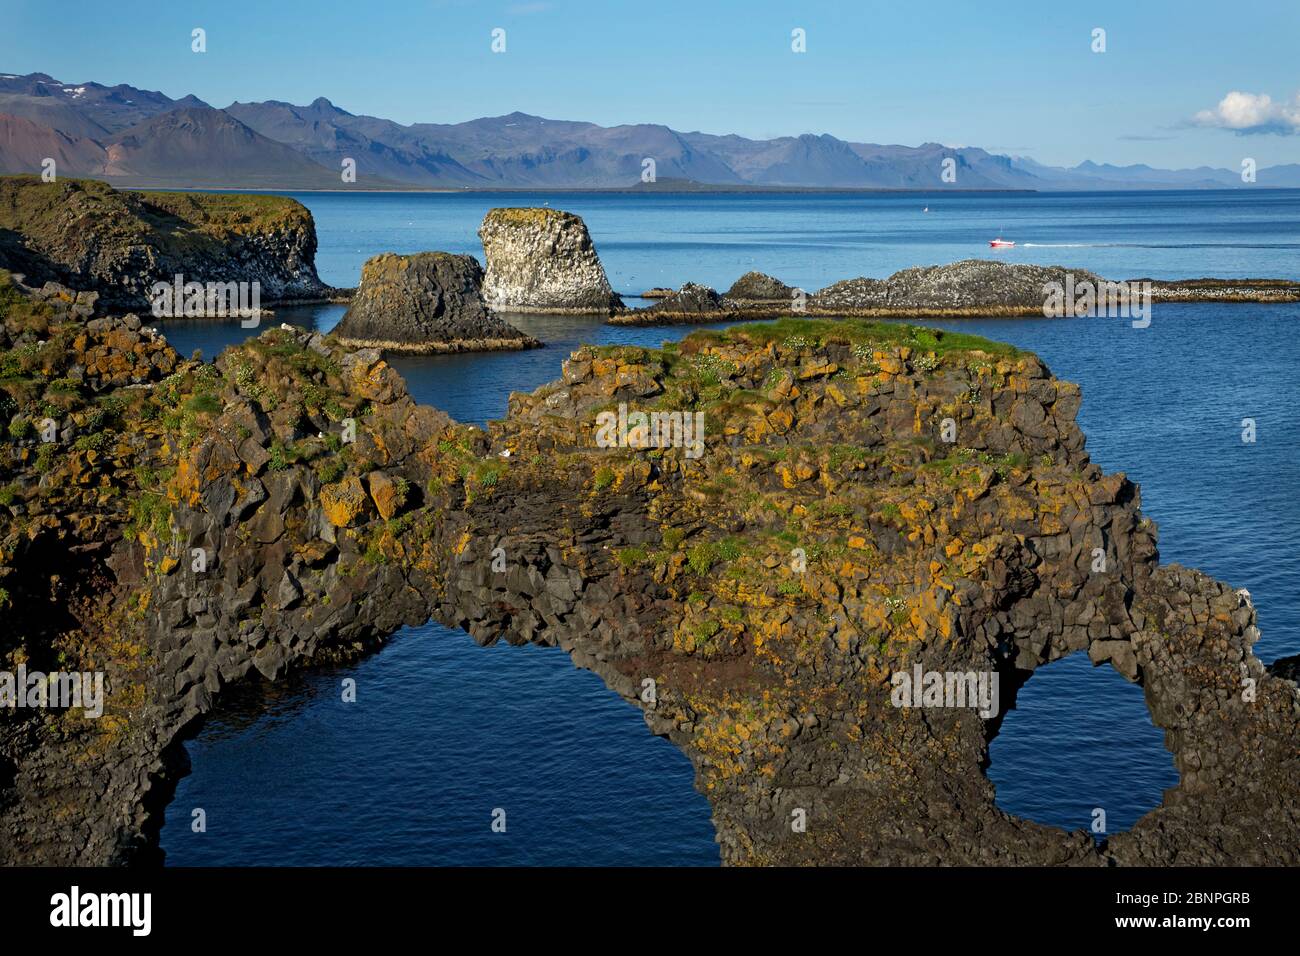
(694, 299)
(543, 260)
(969, 287)
(1223, 290)
(90, 237)
(759, 287)
(427, 302)
(978, 284)
(1288, 668)
(852, 295)
(651, 567)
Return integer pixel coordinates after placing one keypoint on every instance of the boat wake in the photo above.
(1159, 245)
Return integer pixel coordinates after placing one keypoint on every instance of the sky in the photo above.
(1181, 83)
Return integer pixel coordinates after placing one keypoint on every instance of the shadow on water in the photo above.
(442, 734)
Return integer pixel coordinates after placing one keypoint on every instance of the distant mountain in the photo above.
(111, 109)
(1282, 177)
(24, 147)
(1090, 175)
(200, 146)
(329, 135)
(135, 136)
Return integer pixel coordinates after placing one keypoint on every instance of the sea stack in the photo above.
(423, 303)
(543, 260)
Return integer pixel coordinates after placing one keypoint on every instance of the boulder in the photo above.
(344, 502)
(427, 302)
(543, 260)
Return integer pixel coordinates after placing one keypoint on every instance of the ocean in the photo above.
(444, 733)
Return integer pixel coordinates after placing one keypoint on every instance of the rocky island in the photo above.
(863, 500)
(429, 302)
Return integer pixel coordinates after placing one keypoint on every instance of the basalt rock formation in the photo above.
(807, 509)
(543, 260)
(1223, 290)
(693, 303)
(972, 287)
(92, 238)
(977, 285)
(757, 287)
(428, 302)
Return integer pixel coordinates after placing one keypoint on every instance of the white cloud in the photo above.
(1252, 113)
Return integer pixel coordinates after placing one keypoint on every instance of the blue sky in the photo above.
(1015, 77)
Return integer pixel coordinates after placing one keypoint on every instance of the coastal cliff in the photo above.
(90, 237)
(852, 501)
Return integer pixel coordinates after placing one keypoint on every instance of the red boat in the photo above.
(1001, 243)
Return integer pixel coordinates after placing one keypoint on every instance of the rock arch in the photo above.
(825, 439)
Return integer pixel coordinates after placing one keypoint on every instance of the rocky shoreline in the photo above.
(863, 499)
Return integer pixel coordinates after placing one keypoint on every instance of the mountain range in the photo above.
(134, 137)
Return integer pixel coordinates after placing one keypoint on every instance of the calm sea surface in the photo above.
(444, 733)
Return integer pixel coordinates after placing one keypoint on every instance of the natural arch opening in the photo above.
(441, 734)
(1079, 739)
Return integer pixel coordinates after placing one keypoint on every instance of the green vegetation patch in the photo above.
(816, 333)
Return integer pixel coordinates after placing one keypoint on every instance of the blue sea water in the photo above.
(444, 732)
(810, 240)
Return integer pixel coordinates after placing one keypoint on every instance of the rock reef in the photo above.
(428, 302)
(972, 287)
(1223, 290)
(757, 287)
(862, 499)
(693, 303)
(543, 260)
